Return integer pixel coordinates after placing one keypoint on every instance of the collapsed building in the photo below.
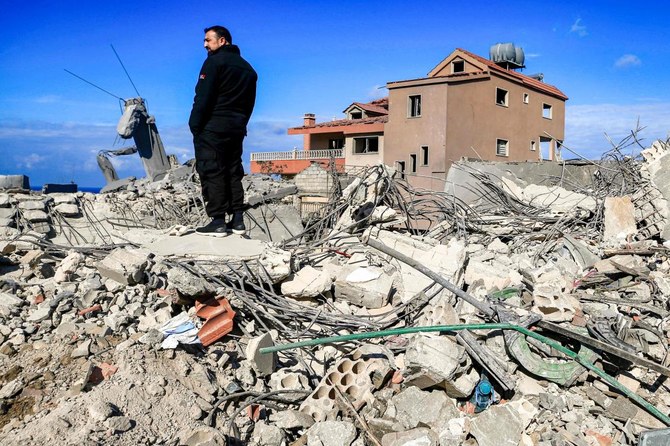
(524, 305)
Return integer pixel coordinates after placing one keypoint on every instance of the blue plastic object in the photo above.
(484, 394)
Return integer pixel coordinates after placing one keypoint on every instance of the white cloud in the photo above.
(627, 60)
(578, 28)
(30, 161)
(63, 152)
(586, 126)
(48, 99)
(269, 136)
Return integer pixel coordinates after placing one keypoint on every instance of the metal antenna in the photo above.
(91, 83)
(124, 69)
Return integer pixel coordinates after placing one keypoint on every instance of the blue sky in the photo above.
(609, 57)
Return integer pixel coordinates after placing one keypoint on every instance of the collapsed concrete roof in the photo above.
(103, 297)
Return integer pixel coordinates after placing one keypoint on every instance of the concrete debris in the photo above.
(413, 407)
(291, 419)
(189, 284)
(498, 426)
(557, 199)
(306, 283)
(446, 259)
(67, 209)
(263, 364)
(419, 436)
(267, 435)
(331, 433)
(368, 287)
(439, 361)
(276, 262)
(619, 220)
(124, 266)
(93, 286)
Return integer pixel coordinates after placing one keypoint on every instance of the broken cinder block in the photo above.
(439, 361)
(124, 266)
(368, 287)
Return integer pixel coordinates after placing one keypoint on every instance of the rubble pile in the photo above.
(522, 314)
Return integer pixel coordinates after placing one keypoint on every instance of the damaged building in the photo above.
(466, 107)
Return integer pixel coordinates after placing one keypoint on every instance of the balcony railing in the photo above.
(298, 155)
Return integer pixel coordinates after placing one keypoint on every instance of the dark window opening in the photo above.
(356, 115)
(366, 145)
(336, 143)
(401, 169)
(501, 97)
(458, 66)
(412, 163)
(414, 106)
(424, 155)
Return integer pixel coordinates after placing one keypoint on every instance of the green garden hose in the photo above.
(493, 326)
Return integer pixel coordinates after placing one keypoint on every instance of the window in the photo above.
(336, 143)
(412, 162)
(526, 97)
(546, 111)
(501, 97)
(401, 168)
(424, 155)
(414, 105)
(356, 115)
(457, 66)
(533, 146)
(502, 147)
(545, 148)
(369, 144)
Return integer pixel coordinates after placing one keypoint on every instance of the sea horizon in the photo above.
(90, 189)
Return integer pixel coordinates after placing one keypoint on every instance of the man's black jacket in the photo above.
(225, 93)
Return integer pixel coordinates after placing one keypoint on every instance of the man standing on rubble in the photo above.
(224, 100)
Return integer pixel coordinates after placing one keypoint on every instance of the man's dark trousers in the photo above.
(218, 158)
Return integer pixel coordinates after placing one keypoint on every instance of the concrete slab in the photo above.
(497, 426)
(192, 245)
(306, 283)
(619, 219)
(416, 408)
(447, 260)
(14, 182)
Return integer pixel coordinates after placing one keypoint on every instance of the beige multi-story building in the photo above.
(467, 106)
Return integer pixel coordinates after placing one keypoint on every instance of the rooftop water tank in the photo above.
(507, 55)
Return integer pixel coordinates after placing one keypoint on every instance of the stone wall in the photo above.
(314, 180)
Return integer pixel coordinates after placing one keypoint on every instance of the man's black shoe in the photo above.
(215, 228)
(236, 224)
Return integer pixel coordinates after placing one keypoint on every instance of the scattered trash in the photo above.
(484, 395)
(179, 330)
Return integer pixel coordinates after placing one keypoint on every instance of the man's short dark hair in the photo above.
(220, 32)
